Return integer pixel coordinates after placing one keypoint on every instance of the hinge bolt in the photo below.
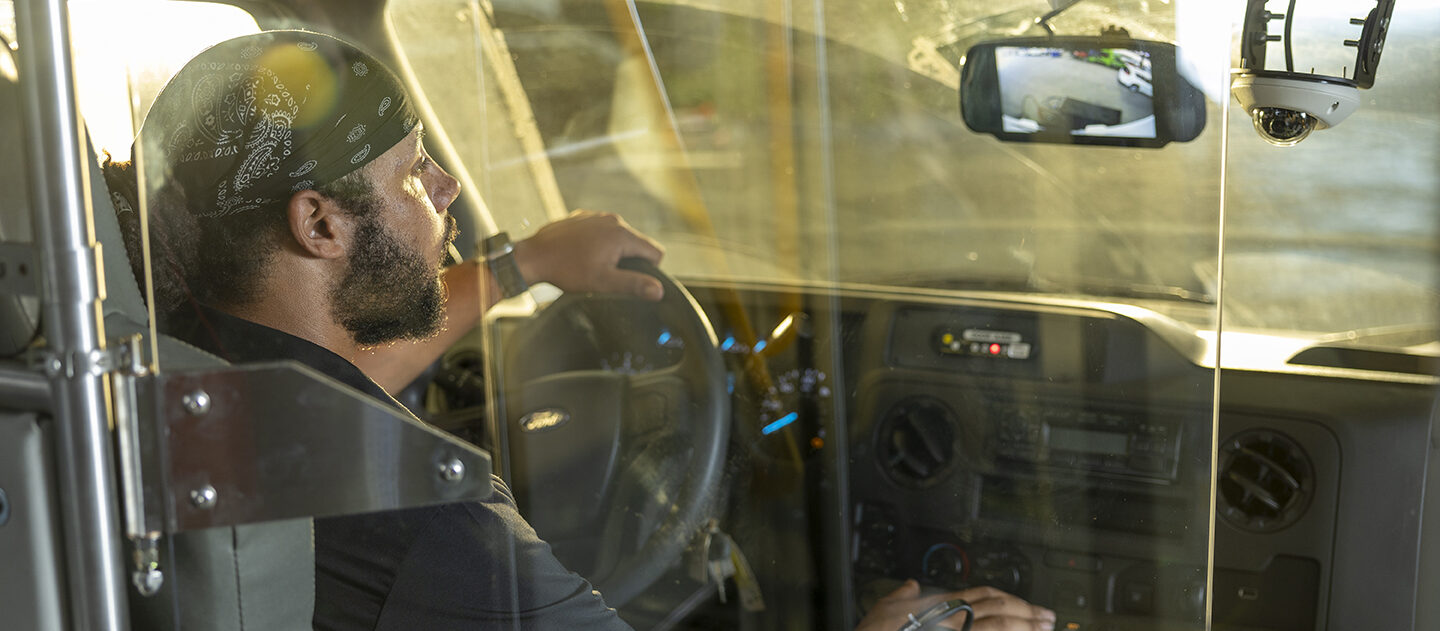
(452, 470)
(197, 403)
(204, 497)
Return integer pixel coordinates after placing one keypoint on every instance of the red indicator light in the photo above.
(994, 349)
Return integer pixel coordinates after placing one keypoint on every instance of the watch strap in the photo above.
(500, 258)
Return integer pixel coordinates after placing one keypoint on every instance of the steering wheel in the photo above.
(616, 411)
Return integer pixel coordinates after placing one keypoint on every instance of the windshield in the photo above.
(918, 200)
(765, 140)
(798, 146)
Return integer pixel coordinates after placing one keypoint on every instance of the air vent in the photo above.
(1266, 481)
(915, 442)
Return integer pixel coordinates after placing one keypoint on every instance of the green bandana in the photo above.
(252, 120)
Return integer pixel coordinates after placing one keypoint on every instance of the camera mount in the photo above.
(1287, 105)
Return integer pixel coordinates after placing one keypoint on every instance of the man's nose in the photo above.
(444, 190)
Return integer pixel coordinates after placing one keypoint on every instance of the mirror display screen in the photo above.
(1087, 92)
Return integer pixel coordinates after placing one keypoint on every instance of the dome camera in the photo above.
(1287, 105)
(1286, 109)
(1282, 127)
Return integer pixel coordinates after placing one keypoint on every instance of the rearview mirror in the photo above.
(1080, 90)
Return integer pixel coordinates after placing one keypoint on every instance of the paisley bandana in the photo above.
(252, 120)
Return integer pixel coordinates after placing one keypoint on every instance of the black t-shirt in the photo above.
(472, 565)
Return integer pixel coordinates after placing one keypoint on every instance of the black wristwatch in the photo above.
(500, 258)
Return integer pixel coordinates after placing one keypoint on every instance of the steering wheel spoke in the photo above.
(657, 401)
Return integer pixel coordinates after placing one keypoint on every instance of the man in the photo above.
(307, 222)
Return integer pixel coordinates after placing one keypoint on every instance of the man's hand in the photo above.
(994, 610)
(580, 253)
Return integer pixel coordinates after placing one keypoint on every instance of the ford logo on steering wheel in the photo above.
(541, 420)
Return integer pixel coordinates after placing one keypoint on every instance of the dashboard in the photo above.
(1059, 450)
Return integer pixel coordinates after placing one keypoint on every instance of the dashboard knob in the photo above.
(945, 565)
(1005, 576)
(1002, 569)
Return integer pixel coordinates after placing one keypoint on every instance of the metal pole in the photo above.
(60, 192)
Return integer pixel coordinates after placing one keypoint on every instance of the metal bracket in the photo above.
(142, 527)
(245, 444)
(1057, 7)
(18, 271)
(118, 356)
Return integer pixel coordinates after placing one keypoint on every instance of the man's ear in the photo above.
(318, 225)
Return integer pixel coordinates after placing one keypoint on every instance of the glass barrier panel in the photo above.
(1330, 268)
(944, 357)
(889, 347)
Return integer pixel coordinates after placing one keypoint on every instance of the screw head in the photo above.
(452, 470)
(197, 403)
(148, 581)
(204, 497)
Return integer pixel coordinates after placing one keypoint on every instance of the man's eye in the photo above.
(424, 164)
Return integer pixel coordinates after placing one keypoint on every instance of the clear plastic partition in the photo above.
(123, 54)
(262, 209)
(945, 357)
(890, 347)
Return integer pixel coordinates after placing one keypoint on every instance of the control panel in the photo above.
(974, 342)
(1088, 590)
(884, 546)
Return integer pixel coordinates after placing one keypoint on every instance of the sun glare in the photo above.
(125, 51)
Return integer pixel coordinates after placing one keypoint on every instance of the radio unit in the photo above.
(1102, 442)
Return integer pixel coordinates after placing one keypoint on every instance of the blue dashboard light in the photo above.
(729, 341)
(780, 423)
(760, 346)
(664, 338)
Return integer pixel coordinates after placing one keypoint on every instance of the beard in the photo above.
(389, 292)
